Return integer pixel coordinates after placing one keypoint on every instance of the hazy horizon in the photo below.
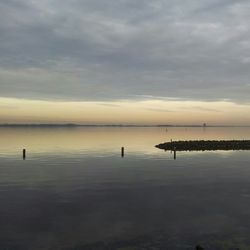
(145, 112)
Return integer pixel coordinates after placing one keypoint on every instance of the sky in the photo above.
(125, 61)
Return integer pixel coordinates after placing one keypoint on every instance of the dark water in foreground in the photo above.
(74, 191)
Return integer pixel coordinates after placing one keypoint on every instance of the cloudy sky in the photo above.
(125, 61)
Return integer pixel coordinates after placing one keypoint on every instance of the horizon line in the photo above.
(113, 125)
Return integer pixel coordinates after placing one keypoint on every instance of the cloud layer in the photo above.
(94, 50)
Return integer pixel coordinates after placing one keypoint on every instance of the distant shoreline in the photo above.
(72, 125)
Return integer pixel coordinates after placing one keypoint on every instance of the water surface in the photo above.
(75, 191)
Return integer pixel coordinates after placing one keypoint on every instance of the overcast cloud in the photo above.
(125, 49)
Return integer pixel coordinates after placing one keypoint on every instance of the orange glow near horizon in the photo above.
(124, 112)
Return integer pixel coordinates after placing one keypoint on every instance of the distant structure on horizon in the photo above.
(204, 125)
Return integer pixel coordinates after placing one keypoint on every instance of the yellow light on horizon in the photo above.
(14, 110)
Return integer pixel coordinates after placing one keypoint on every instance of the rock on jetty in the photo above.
(202, 145)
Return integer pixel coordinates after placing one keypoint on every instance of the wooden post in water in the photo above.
(122, 152)
(175, 153)
(24, 154)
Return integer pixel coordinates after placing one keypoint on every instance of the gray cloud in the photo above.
(123, 49)
(202, 109)
(159, 110)
(109, 105)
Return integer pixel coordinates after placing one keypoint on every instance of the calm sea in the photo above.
(75, 191)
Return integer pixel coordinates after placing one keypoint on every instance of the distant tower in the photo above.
(204, 125)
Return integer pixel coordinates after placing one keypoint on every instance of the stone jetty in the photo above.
(203, 145)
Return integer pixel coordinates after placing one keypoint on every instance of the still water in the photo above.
(75, 191)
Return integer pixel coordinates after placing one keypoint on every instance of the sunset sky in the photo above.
(125, 61)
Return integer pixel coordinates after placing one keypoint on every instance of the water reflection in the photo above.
(103, 141)
(74, 191)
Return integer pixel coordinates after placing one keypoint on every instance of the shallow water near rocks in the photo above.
(75, 191)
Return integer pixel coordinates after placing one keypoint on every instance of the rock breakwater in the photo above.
(203, 145)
